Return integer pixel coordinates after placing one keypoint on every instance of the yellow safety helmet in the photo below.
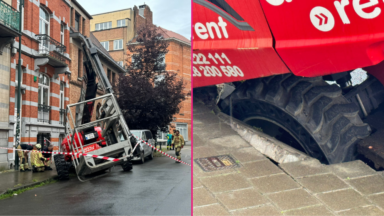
(38, 146)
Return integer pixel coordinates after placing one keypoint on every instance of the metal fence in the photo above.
(9, 16)
(51, 47)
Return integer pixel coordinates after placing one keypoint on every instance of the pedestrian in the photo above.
(37, 159)
(169, 140)
(23, 156)
(173, 137)
(178, 142)
(47, 163)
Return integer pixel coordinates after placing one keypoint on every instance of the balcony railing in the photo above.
(9, 16)
(51, 47)
(62, 116)
(43, 113)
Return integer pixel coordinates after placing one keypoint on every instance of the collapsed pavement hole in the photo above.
(275, 131)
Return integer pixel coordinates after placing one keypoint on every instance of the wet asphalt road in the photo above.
(157, 187)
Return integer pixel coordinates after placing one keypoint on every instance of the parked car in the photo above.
(145, 150)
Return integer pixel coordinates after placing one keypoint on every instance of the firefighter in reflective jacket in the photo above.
(37, 159)
(23, 155)
(178, 142)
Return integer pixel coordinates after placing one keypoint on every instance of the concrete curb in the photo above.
(267, 145)
(28, 185)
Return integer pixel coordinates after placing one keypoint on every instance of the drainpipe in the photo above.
(18, 88)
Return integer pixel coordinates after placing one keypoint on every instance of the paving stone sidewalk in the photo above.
(15, 180)
(260, 187)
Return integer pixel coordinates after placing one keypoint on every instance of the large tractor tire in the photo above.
(62, 167)
(127, 165)
(315, 114)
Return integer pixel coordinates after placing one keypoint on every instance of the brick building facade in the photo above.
(52, 69)
(45, 64)
(178, 59)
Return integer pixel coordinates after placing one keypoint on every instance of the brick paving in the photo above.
(261, 187)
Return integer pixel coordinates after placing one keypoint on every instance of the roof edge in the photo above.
(112, 11)
(172, 38)
(81, 7)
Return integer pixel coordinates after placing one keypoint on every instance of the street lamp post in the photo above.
(17, 141)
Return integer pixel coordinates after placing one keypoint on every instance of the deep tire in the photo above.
(127, 165)
(316, 114)
(62, 167)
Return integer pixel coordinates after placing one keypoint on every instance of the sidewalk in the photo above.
(15, 180)
(258, 186)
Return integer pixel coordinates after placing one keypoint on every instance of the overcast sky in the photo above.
(174, 15)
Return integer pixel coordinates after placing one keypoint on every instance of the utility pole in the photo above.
(17, 141)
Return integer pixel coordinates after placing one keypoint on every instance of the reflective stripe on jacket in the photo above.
(36, 158)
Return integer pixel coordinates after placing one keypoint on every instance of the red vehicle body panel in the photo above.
(310, 37)
(251, 51)
(65, 145)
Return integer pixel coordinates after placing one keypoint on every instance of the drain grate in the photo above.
(216, 163)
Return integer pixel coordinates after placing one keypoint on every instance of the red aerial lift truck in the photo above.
(107, 136)
(287, 66)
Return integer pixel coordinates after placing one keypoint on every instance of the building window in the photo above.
(121, 23)
(120, 63)
(44, 22)
(105, 44)
(79, 64)
(43, 100)
(103, 26)
(62, 34)
(77, 21)
(118, 44)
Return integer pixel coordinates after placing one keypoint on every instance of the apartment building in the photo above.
(80, 25)
(114, 29)
(178, 59)
(9, 29)
(45, 64)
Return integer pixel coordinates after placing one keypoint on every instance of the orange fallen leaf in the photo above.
(370, 147)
